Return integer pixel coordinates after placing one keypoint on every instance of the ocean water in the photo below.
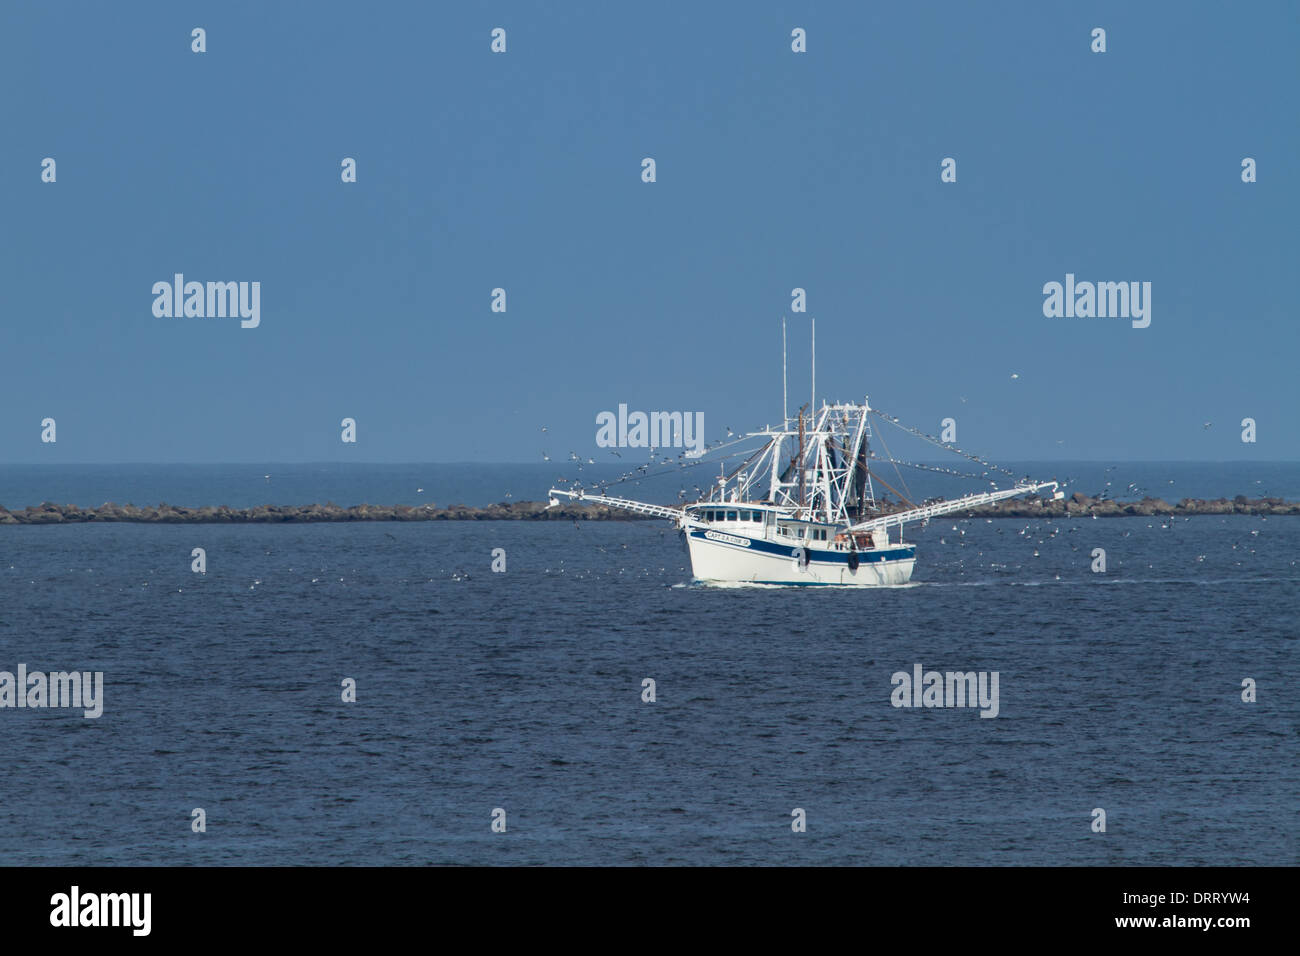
(245, 486)
(522, 691)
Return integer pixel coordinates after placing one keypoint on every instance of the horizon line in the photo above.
(268, 462)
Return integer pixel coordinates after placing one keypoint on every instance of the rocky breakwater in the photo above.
(48, 513)
(1077, 505)
(1082, 506)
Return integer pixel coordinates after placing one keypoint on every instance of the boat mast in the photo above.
(785, 395)
(802, 470)
(812, 405)
(812, 419)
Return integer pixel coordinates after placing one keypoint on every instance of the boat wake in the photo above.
(759, 585)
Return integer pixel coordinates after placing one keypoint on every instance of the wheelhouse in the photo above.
(777, 523)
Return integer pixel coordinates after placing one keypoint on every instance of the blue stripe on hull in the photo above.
(814, 555)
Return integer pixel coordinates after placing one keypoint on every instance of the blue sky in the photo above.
(522, 170)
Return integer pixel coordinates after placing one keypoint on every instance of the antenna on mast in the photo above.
(785, 396)
(812, 407)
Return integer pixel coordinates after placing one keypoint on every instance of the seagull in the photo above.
(1015, 375)
(545, 457)
(543, 428)
(419, 490)
(616, 454)
(1207, 424)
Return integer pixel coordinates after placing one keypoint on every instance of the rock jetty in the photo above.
(1077, 505)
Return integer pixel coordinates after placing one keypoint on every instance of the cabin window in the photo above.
(744, 516)
(731, 516)
(758, 516)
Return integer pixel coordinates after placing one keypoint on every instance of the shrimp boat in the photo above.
(802, 509)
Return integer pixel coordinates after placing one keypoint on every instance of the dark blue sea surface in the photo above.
(522, 691)
(476, 485)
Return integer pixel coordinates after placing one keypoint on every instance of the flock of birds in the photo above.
(656, 459)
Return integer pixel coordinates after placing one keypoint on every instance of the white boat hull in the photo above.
(719, 557)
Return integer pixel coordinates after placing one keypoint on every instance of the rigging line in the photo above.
(945, 471)
(901, 480)
(934, 441)
(906, 500)
(747, 460)
(665, 471)
(702, 460)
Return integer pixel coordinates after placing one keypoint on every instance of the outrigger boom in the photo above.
(938, 508)
(899, 518)
(627, 504)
